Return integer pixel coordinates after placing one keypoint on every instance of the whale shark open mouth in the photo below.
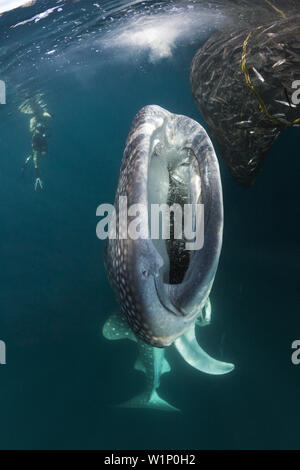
(173, 181)
(183, 184)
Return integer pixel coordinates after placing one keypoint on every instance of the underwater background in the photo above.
(62, 377)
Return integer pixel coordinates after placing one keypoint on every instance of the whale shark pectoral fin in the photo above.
(145, 401)
(189, 348)
(205, 316)
(138, 365)
(165, 367)
(116, 328)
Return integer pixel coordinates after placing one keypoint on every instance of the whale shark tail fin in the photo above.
(144, 401)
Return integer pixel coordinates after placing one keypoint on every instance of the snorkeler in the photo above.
(40, 133)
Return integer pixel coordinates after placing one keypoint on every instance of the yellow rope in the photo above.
(276, 9)
(253, 90)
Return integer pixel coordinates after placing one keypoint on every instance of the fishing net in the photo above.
(245, 85)
(250, 13)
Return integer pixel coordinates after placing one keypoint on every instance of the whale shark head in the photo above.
(163, 283)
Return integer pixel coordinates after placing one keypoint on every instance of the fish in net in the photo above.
(245, 85)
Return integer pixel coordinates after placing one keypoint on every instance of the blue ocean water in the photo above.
(62, 377)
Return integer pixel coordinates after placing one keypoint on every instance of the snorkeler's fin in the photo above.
(153, 402)
(189, 348)
(38, 184)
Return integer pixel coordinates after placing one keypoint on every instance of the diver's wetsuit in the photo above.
(39, 145)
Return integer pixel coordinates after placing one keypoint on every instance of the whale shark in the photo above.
(163, 289)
